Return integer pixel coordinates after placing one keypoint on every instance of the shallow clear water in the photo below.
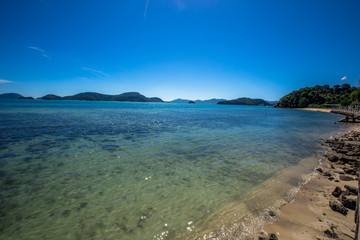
(115, 170)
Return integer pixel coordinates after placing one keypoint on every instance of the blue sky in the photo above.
(194, 49)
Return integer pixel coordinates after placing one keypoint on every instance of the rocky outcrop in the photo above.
(337, 192)
(344, 154)
(346, 178)
(338, 207)
(349, 203)
(353, 190)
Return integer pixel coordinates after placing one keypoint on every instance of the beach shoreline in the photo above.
(327, 110)
(309, 215)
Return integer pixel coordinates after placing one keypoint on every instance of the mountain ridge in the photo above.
(208, 101)
(10, 95)
(246, 101)
(94, 96)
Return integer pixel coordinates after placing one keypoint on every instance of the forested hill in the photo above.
(246, 101)
(92, 96)
(319, 95)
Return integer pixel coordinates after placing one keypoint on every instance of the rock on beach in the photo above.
(337, 192)
(349, 203)
(338, 207)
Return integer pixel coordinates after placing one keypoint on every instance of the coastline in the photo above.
(309, 215)
(243, 215)
(327, 110)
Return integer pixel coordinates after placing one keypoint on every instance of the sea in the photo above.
(121, 170)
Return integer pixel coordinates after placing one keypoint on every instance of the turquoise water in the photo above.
(115, 170)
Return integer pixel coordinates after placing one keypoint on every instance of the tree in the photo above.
(303, 102)
(355, 95)
(345, 103)
(319, 95)
(345, 87)
(325, 88)
(318, 88)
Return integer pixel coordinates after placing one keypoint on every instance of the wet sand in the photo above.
(310, 216)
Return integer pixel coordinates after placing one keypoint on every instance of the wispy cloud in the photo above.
(42, 52)
(146, 8)
(95, 72)
(2, 81)
(344, 78)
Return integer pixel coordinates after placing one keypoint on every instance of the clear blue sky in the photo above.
(195, 49)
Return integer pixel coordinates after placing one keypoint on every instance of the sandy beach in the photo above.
(315, 109)
(310, 216)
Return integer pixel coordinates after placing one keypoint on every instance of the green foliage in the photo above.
(51, 97)
(355, 95)
(345, 103)
(10, 96)
(92, 96)
(318, 95)
(303, 102)
(245, 101)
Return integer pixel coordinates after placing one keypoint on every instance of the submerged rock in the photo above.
(82, 205)
(60, 164)
(273, 237)
(272, 214)
(111, 148)
(40, 147)
(66, 213)
(338, 207)
(263, 236)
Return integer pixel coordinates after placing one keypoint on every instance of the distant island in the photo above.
(246, 101)
(91, 96)
(317, 96)
(209, 101)
(137, 97)
(13, 96)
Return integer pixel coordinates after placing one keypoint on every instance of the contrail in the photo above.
(146, 7)
(43, 53)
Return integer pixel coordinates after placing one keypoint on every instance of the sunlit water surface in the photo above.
(112, 170)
